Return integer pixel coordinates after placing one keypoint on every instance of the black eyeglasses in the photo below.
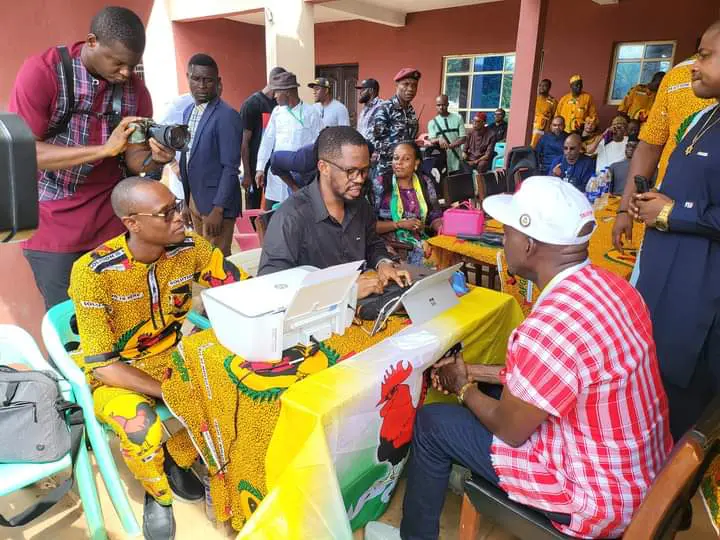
(168, 216)
(352, 173)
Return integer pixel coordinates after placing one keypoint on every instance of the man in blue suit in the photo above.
(680, 261)
(209, 167)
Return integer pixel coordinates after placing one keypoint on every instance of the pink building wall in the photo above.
(34, 25)
(238, 48)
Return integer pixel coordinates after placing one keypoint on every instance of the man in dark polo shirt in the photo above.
(329, 222)
(82, 150)
(255, 113)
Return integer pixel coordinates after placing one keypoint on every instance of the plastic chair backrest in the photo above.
(18, 347)
(56, 332)
(245, 235)
(668, 498)
(249, 260)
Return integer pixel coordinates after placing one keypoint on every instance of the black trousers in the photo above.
(52, 274)
(687, 404)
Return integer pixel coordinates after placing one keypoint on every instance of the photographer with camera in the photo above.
(80, 102)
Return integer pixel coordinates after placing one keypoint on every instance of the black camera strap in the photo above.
(115, 117)
(117, 93)
(68, 75)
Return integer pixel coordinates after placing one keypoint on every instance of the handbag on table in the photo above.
(464, 220)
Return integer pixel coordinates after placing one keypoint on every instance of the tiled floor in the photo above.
(66, 521)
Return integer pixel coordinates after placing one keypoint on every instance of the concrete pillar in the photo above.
(159, 59)
(290, 40)
(528, 51)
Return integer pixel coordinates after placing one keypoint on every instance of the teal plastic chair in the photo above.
(18, 347)
(56, 333)
(499, 161)
(198, 320)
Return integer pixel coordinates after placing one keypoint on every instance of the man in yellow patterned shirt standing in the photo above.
(639, 100)
(545, 106)
(131, 296)
(674, 104)
(576, 106)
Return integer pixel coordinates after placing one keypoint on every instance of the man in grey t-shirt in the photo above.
(619, 170)
(332, 112)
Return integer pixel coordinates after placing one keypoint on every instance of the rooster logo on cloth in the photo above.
(398, 416)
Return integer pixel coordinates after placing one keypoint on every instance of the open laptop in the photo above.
(423, 300)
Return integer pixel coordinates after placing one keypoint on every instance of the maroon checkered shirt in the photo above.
(75, 211)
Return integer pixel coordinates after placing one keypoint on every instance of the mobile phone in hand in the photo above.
(641, 184)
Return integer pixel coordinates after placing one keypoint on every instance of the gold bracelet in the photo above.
(461, 393)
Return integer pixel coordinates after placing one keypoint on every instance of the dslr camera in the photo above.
(175, 136)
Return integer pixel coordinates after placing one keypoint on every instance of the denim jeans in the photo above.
(444, 434)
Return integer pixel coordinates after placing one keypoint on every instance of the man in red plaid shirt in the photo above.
(580, 428)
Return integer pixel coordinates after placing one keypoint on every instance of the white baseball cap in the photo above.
(544, 208)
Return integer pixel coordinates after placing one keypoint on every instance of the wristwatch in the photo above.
(661, 221)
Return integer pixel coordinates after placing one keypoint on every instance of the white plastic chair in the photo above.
(18, 347)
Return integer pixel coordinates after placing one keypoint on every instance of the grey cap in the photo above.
(284, 81)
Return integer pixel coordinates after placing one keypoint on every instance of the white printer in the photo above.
(260, 317)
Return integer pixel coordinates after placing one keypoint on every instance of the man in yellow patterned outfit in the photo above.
(131, 296)
(576, 106)
(545, 106)
(639, 100)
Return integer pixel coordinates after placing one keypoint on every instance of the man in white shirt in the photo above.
(332, 112)
(174, 115)
(613, 150)
(292, 124)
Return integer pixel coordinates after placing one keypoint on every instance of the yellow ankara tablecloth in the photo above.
(298, 455)
(448, 250)
(342, 436)
(710, 489)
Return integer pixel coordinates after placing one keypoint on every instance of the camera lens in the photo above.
(177, 137)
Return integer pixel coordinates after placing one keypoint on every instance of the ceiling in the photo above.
(324, 12)
(410, 6)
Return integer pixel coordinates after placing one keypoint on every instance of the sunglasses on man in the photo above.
(168, 215)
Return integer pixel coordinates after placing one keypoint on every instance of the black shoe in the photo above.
(158, 520)
(183, 482)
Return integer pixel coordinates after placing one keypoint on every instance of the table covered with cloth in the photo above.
(297, 456)
(449, 250)
(710, 489)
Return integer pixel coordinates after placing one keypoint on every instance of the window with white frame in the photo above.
(479, 82)
(636, 63)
